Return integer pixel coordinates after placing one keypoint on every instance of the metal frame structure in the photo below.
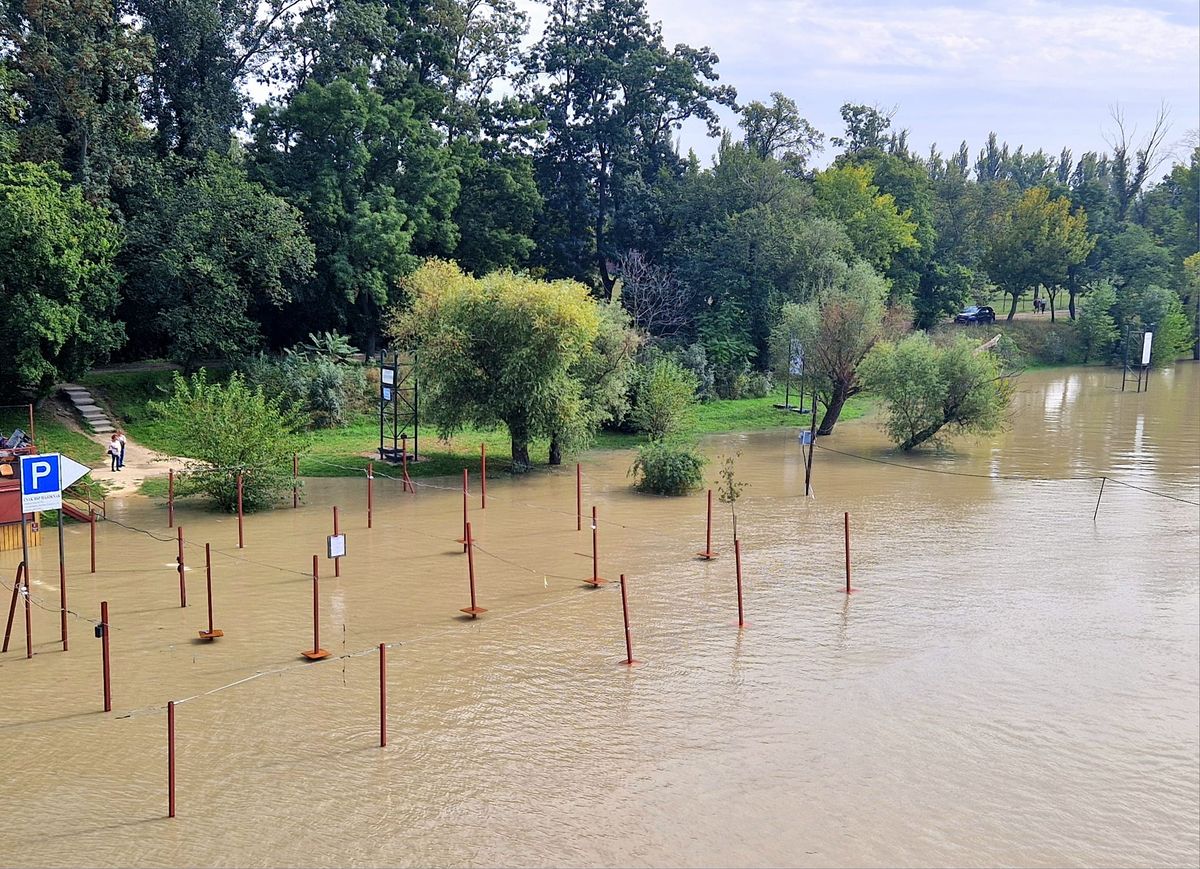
(1139, 373)
(398, 390)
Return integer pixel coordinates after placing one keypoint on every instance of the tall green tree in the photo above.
(778, 131)
(877, 227)
(1035, 244)
(57, 279)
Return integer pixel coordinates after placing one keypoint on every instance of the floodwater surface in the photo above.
(1011, 683)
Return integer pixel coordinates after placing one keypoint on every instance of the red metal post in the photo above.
(170, 758)
(92, 531)
(295, 481)
(28, 619)
(483, 476)
(105, 658)
(337, 562)
(737, 557)
(578, 497)
(170, 497)
(316, 652)
(370, 492)
(847, 520)
(408, 486)
(629, 662)
(18, 579)
(241, 539)
(463, 539)
(473, 610)
(595, 580)
(212, 633)
(62, 582)
(179, 560)
(708, 553)
(383, 695)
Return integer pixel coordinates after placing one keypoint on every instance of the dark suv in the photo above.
(976, 314)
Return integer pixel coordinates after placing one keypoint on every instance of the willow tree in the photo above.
(500, 350)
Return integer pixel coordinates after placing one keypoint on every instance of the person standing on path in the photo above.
(121, 457)
(114, 453)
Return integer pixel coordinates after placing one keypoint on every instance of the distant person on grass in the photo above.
(114, 453)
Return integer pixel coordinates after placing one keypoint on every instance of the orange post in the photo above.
(212, 633)
(62, 583)
(847, 521)
(629, 661)
(28, 619)
(370, 491)
(337, 562)
(578, 497)
(737, 558)
(170, 758)
(92, 533)
(473, 610)
(316, 653)
(180, 568)
(463, 539)
(708, 553)
(105, 658)
(483, 476)
(241, 539)
(595, 581)
(383, 695)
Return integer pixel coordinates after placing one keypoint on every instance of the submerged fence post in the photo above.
(28, 618)
(170, 758)
(383, 695)
(105, 659)
(62, 582)
(708, 553)
(847, 525)
(473, 610)
(316, 653)
(737, 558)
(241, 539)
(92, 533)
(595, 581)
(1096, 512)
(295, 481)
(18, 584)
(483, 476)
(629, 661)
(578, 496)
(212, 633)
(463, 539)
(179, 566)
(337, 562)
(370, 492)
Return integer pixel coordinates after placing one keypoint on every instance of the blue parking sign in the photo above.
(41, 487)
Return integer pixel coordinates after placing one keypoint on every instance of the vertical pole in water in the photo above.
(179, 561)
(578, 497)
(295, 481)
(812, 444)
(241, 539)
(737, 557)
(408, 486)
(1096, 512)
(629, 662)
(212, 633)
(847, 524)
(170, 758)
(104, 656)
(483, 476)
(708, 553)
(316, 652)
(62, 581)
(370, 492)
(170, 497)
(473, 610)
(383, 695)
(595, 581)
(18, 584)
(337, 562)
(92, 533)
(463, 540)
(28, 619)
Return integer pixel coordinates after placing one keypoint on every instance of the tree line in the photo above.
(203, 179)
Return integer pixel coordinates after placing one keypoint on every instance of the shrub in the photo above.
(318, 379)
(695, 359)
(664, 399)
(667, 469)
(756, 384)
(230, 429)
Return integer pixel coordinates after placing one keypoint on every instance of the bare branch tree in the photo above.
(1132, 164)
(652, 295)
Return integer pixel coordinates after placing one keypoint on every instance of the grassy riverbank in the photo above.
(53, 436)
(346, 451)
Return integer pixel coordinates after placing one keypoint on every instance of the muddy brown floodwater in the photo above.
(1012, 684)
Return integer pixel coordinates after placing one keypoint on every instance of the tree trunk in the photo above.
(1051, 297)
(1071, 303)
(1012, 311)
(922, 436)
(555, 450)
(832, 411)
(520, 455)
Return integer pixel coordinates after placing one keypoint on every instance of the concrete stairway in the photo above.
(92, 413)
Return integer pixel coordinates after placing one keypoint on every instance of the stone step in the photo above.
(89, 408)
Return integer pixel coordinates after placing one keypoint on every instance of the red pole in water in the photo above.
(316, 652)
(18, 584)
(595, 580)
(578, 497)
(337, 562)
(179, 562)
(104, 652)
(28, 619)
(212, 633)
(62, 582)
(737, 558)
(708, 553)
(295, 481)
(463, 539)
(629, 662)
(241, 540)
(473, 610)
(92, 531)
(408, 486)
(383, 695)
(483, 476)
(170, 758)
(170, 497)
(847, 520)
(370, 491)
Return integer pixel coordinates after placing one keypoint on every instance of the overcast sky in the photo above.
(1039, 73)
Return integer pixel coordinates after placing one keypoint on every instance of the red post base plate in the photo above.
(473, 611)
(315, 654)
(595, 581)
(211, 635)
(707, 556)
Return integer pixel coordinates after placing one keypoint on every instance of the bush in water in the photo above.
(667, 469)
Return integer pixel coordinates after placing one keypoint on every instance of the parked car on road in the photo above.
(976, 314)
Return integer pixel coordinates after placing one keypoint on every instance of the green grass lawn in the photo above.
(346, 451)
(52, 435)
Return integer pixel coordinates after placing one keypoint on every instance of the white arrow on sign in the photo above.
(70, 471)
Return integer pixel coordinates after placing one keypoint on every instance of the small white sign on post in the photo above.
(337, 545)
(1147, 340)
(43, 478)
